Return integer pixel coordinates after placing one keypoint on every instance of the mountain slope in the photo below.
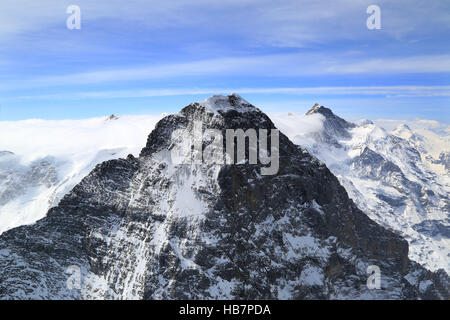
(147, 228)
(391, 177)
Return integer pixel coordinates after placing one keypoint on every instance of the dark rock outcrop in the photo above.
(334, 127)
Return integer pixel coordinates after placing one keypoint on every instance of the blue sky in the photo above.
(141, 56)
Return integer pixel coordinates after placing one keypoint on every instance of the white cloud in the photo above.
(385, 91)
(274, 65)
(292, 23)
(297, 126)
(75, 137)
(416, 124)
(416, 64)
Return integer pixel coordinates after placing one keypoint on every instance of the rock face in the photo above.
(334, 127)
(444, 158)
(145, 228)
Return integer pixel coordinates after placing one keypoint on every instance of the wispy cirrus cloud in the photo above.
(292, 23)
(282, 65)
(385, 91)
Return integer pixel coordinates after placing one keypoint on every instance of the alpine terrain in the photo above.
(148, 228)
(399, 178)
(42, 160)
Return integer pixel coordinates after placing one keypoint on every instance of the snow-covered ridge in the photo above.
(223, 103)
(399, 177)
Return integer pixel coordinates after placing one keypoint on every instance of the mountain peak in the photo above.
(320, 109)
(334, 126)
(217, 112)
(112, 117)
(224, 103)
(405, 132)
(402, 127)
(364, 122)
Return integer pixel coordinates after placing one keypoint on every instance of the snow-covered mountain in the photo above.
(145, 227)
(434, 148)
(43, 160)
(401, 179)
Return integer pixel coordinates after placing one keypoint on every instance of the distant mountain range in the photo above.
(400, 179)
